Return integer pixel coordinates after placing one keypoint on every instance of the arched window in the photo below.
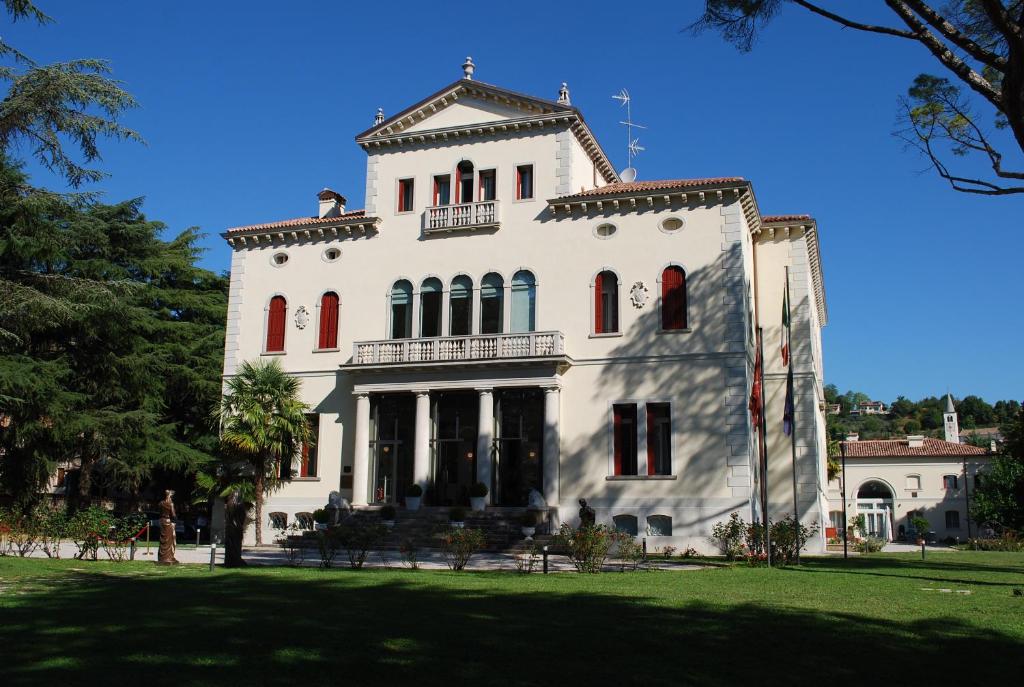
(659, 526)
(401, 310)
(626, 524)
(606, 303)
(524, 301)
(276, 314)
(673, 298)
(460, 306)
(430, 307)
(464, 182)
(492, 297)
(328, 321)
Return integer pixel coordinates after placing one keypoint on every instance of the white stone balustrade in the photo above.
(464, 216)
(456, 348)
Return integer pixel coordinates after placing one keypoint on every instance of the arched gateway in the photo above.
(874, 502)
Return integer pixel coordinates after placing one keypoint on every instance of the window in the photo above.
(659, 526)
(624, 419)
(442, 189)
(430, 307)
(278, 259)
(606, 303)
(949, 481)
(671, 225)
(492, 296)
(460, 306)
(328, 321)
(605, 231)
(952, 520)
(488, 185)
(62, 477)
(307, 460)
(406, 197)
(673, 298)
(524, 301)
(464, 182)
(524, 182)
(331, 254)
(659, 439)
(275, 324)
(627, 524)
(401, 310)
(914, 482)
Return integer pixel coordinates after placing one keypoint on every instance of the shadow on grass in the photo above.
(932, 570)
(385, 629)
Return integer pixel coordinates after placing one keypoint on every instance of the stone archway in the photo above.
(875, 502)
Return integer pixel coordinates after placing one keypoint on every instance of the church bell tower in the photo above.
(950, 422)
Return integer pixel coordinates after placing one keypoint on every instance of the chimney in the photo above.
(332, 203)
(915, 440)
(853, 437)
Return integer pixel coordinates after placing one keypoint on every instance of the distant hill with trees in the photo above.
(912, 417)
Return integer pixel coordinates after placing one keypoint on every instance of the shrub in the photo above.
(320, 516)
(870, 545)
(388, 512)
(457, 514)
(690, 552)
(788, 538)
(477, 490)
(668, 551)
(729, 536)
(410, 550)
(459, 544)
(327, 542)
(414, 491)
(588, 546)
(55, 528)
(23, 531)
(291, 542)
(526, 560)
(1007, 541)
(120, 534)
(89, 527)
(629, 551)
(359, 537)
(921, 526)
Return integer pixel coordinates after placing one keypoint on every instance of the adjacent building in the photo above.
(507, 309)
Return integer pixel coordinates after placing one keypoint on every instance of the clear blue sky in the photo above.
(250, 108)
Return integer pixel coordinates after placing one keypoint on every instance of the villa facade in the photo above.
(506, 309)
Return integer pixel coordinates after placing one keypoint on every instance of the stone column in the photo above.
(485, 438)
(552, 447)
(421, 449)
(361, 455)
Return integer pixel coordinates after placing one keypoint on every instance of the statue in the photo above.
(337, 508)
(534, 501)
(587, 516)
(167, 535)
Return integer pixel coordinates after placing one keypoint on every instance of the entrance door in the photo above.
(876, 517)
(519, 432)
(392, 418)
(454, 448)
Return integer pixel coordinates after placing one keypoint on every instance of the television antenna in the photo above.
(633, 147)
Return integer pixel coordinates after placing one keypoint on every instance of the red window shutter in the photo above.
(435, 191)
(304, 468)
(598, 288)
(458, 185)
(673, 298)
(650, 441)
(617, 438)
(329, 320)
(275, 324)
(401, 196)
(519, 183)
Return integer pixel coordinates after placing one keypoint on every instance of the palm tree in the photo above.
(229, 477)
(263, 420)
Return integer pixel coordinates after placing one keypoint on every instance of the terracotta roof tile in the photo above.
(300, 222)
(882, 448)
(624, 187)
(785, 218)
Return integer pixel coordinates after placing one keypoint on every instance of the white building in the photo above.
(506, 309)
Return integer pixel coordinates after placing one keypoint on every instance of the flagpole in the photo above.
(762, 445)
(792, 432)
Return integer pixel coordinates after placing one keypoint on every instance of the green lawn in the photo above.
(864, 622)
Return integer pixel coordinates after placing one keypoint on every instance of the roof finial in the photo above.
(563, 94)
(467, 69)
(379, 117)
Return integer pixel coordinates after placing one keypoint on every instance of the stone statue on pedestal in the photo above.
(587, 516)
(167, 536)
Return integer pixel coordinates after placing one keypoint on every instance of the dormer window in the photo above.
(442, 189)
(524, 182)
(405, 195)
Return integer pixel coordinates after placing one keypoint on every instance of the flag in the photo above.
(785, 324)
(756, 393)
(787, 415)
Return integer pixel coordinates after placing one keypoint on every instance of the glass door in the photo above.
(518, 440)
(453, 448)
(392, 419)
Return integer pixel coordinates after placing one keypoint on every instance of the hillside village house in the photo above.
(891, 481)
(506, 309)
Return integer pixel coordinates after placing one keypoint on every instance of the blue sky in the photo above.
(249, 108)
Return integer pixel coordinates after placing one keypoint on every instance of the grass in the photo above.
(832, 622)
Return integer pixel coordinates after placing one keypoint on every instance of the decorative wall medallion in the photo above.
(301, 317)
(638, 294)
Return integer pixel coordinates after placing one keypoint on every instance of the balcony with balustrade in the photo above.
(464, 216)
(467, 351)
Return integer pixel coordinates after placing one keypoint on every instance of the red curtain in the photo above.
(328, 320)
(275, 324)
(598, 323)
(673, 298)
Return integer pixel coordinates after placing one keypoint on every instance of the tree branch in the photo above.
(1003, 21)
(850, 24)
(950, 32)
(976, 81)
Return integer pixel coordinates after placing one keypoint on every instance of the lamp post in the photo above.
(842, 453)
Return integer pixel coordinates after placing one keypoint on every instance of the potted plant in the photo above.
(478, 497)
(320, 519)
(413, 497)
(457, 517)
(921, 526)
(529, 524)
(387, 515)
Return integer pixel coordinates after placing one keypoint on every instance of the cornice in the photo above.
(363, 227)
